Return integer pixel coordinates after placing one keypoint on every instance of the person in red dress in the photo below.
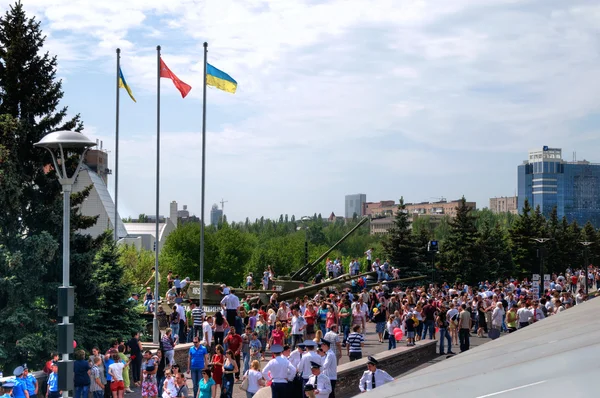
(217, 365)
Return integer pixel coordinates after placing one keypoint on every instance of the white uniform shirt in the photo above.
(231, 302)
(366, 381)
(297, 324)
(295, 358)
(329, 367)
(281, 370)
(304, 365)
(322, 384)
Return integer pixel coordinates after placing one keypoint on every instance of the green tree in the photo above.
(523, 246)
(399, 247)
(459, 257)
(494, 252)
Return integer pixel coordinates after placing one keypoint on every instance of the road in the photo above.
(554, 357)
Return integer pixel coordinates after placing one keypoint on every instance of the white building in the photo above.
(143, 235)
(98, 203)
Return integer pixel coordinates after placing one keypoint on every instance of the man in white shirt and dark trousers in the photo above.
(320, 383)
(310, 356)
(281, 370)
(231, 303)
(298, 324)
(373, 377)
(329, 365)
(296, 355)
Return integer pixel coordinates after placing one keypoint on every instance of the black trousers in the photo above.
(107, 392)
(279, 390)
(332, 394)
(136, 368)
(231, 314)
(464, 339)
(182, 332)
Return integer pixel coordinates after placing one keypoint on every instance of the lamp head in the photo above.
(68, 140)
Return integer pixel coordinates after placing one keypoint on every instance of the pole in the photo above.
(432, 268)
(155, 330)
(201, 294)
(66, 255)
(585, 269)
(117, 149)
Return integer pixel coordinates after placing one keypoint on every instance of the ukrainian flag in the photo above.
(123, 84)
(220, 79)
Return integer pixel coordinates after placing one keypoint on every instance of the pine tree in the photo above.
(459, 254)
(496, 260)
(522, 235)
(399, 247)
(30, 93)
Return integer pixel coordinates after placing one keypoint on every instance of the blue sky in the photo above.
(419, 98)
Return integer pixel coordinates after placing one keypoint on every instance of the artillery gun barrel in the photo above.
(303, 272)
(318, 286)
(412, 278)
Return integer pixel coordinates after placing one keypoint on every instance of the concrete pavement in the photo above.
(554, 357)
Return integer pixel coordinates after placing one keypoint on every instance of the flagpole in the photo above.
(155, 330)
(117, 150)
(203, 179)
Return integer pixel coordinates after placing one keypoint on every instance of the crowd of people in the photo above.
(302, 340)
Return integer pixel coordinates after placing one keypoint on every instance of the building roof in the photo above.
(144, 228)
(107, 201)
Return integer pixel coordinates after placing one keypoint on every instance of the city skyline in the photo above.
(420, 100)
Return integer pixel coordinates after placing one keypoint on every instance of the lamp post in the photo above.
(585, 265)
(542, 252)
(60, 144)
(305, 221)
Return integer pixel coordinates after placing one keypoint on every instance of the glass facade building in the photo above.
(573, 187)
(355, 204)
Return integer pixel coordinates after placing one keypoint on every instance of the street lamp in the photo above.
(60, 144)
(585, 267)
(542, 252)
(305, 221)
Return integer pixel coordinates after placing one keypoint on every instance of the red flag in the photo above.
(183, 88)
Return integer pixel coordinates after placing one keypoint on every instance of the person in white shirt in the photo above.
(281, 371)
(255, 378)
(334, 338)
(318, 382)
(524, 314)
(310, 355)
(207, 333)
(373, 377)
(296, 355)
(537, 313)
(115, 370)
(329, 365)
(231, 303)
(298, 324)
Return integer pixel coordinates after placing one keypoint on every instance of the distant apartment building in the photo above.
(504, 204)
(216, 215)
(379, 209)
(441, 208)
(435, 211)
(548, 181)
(354, 205)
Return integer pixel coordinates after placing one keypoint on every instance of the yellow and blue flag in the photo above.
(123, 84)
(220, 79)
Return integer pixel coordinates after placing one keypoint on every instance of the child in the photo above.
(169, 388)
(246, 337)
(53, 391)
(255, 347)
(409, 324)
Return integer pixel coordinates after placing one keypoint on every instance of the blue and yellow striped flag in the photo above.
(123, 84)
(220, 79)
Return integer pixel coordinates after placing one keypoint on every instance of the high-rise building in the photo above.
(354, 205)
(548, 181)
(216, 215)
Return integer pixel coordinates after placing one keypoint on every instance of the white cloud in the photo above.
(428, 82)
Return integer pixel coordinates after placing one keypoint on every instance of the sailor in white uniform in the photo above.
(296, 355)
(329, 368)
(281, 370)
(373, 377)
(319, 382)
(310, 356)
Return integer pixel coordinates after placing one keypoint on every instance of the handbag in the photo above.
(244, 385)
(386, 334)
(494, 333)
